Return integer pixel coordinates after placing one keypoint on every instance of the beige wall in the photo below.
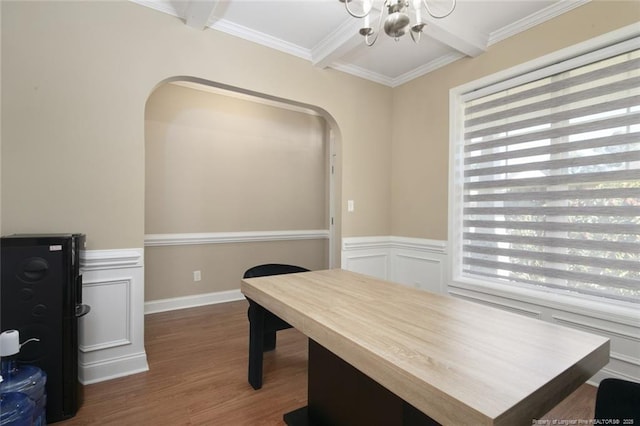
(75, 80)
(216, 163)
(76, 76)
(421, 112)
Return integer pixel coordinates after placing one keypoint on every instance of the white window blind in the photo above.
(551, 179)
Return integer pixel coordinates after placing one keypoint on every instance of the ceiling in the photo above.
(322, 32)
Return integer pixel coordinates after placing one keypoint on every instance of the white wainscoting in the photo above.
(111, 336)
(422, 263)
(411, 261)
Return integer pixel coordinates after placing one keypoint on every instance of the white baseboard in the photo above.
(175, 303)
(108, 369)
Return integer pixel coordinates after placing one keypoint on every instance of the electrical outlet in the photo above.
(197, 275)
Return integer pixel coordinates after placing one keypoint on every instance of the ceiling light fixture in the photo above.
(397, 21)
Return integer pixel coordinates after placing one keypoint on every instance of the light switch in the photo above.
(350, 205)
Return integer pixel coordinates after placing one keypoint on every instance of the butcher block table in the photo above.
(386, 354)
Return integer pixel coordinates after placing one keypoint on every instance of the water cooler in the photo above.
(41, 297)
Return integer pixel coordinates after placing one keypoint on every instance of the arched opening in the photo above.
(233, 179)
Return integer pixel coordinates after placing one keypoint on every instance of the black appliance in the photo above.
(41, 297)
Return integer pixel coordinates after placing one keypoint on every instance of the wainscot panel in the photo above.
(111, 336)
(410, 261)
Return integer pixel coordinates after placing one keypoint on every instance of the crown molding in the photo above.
(260, 38)
(362, 73)
(534, 19)
(164, 7)
(427, 68)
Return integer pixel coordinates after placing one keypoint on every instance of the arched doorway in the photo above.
(233, 179)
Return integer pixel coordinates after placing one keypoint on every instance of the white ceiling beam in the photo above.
(198, 13)
(337, 43)
(461, 38)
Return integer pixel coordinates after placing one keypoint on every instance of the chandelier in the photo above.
(397, 21)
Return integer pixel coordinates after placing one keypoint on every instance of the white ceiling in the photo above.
(322, 32)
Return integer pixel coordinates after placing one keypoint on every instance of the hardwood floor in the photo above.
(198, 376)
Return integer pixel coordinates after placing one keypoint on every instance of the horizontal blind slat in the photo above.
(616, 157)
(520, 280)
(554, 273)
(557, 180)
(595, 228)
(597, 262)
(555, 86)
(628, 211)
(594, 245)
(556, 148)
(558, 101)
(610, 193)
(574, 129)
(559, 116)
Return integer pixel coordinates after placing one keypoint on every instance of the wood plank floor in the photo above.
(198, 376)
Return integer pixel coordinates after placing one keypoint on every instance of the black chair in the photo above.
(262, 323)
(618, 400)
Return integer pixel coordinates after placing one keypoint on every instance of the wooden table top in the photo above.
(459, 362)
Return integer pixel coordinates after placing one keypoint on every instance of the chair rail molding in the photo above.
(95, 260)
(111, 335)
(152, 240)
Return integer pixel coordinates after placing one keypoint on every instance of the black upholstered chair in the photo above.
(618, 400)
(262, 323)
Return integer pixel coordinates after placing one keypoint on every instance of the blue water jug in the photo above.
(16, 409)
(28, 380)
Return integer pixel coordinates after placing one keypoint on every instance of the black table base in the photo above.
(339, 394)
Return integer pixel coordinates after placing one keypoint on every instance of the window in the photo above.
(546, 172)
